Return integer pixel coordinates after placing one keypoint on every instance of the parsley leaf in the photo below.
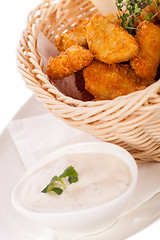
(73, 179)
(57, 190)
(149, 16)
(69, 172)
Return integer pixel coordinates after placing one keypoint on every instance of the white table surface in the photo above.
(13, 92)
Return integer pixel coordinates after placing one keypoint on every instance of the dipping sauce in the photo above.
(102, 178)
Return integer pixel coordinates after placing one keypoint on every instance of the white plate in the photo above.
(16, 227)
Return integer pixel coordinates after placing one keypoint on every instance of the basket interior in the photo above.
(60, 22)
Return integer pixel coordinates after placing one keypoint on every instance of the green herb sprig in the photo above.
(130, 10)
(69, 173)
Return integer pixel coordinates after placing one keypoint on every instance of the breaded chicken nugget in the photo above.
(77, 36)
(72, 60)
(147, 61)
(105, 81)
(109, 42)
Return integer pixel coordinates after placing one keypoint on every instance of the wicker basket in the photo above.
(131, 121)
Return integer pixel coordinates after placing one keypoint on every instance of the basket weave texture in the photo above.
(131, 121)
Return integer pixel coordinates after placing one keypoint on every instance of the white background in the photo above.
(13, 92)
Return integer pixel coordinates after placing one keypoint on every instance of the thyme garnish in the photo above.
(130, 10)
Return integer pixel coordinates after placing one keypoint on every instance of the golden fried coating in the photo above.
(147, 61)
(105, 81)
(113, 17)
(77, 36)
(72, 60)
(109, 42)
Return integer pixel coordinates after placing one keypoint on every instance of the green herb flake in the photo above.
(69, 173)
(57, 190)
(149, 16)
(73, 179)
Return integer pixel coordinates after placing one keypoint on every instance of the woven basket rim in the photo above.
(155, 87)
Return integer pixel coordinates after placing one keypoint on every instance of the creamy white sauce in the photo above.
(102, 178)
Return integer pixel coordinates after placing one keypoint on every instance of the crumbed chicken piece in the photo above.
(72, 60)
(77, 36)
(147, 61)
(105, 81)
(109, 42)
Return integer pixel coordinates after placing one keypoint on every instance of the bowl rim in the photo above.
(57, 153)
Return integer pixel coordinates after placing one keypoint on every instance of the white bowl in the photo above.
(85, 221)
